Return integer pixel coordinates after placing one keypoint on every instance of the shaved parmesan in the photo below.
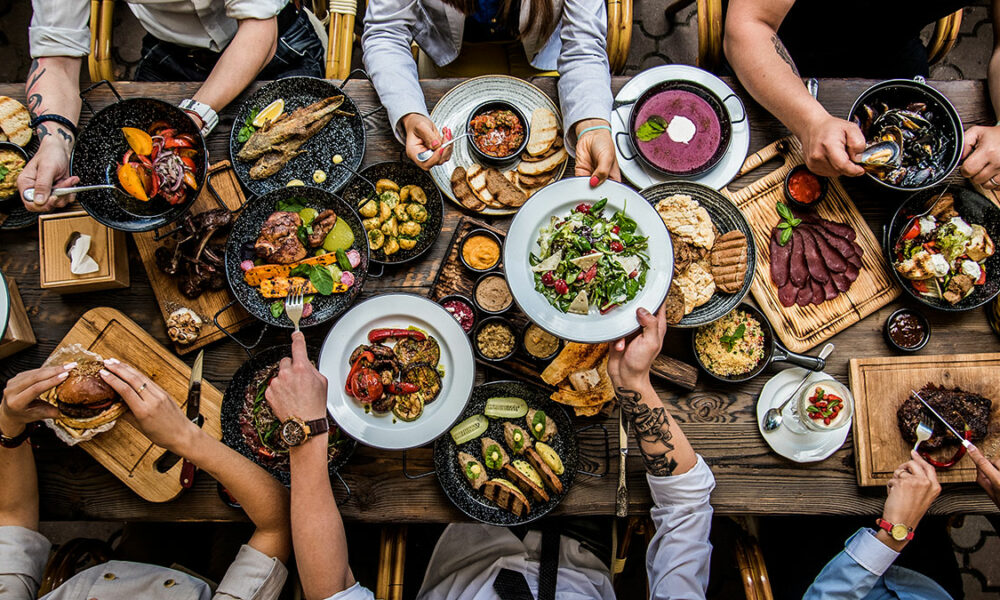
(579, 306)
(549, 263)
(586, 261)
(628, 263)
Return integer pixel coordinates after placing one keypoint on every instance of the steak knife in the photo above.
(621, 500)
(965, 443)
(193, 413)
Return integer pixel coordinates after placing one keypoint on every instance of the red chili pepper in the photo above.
(913, 232)
(367, 355)
(937, 464)
(377, 335)
(590, 273)
(187, 161)
(154, 179)
(402, 387)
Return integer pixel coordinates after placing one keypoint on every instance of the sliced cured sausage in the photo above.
(845, 247)
(798, 272)
(818, 295)
(804, 296)
(830, 287)
(851, 272)
(780, 259)
(834, 260)
(787, 294)
(841, 281)
(837, 229)
(854, 260)
(814, 260)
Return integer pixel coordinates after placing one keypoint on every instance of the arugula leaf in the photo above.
(291, 205)
(737, 335)
(3, 172)
(598, 205)
(651, 129)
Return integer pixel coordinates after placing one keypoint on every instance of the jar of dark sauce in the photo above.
(907, 330)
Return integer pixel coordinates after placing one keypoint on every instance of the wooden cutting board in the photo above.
(222, 179)
(881, 384)
(802, 327)
(124, 450)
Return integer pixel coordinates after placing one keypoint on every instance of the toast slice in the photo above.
(525, 483)
(503, 190)
(460, 187)
(556, 145)
(476, 176)
(536, 181)
(544, 131)
(549, 477)
(507, 496)
(729, 261)
(542, 166)
(15, 121)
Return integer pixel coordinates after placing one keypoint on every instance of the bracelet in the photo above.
(594, 128)
(61, 120)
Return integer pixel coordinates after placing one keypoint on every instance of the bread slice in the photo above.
(544, 131)
(476, 176)
(729, 261)
(556, 145)
(15, 121)
(503, 190)
(536, 181)
(549, 476)
(526, 484)
(460, 187)
(507, 496)
(542, 166)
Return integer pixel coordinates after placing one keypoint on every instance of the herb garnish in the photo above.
(318, 275)
(737, 335)
(248, 129)
(651, 129)
(787, 224)
(3, 172)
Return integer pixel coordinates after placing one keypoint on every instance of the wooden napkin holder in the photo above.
(107, 247)
(18, 335)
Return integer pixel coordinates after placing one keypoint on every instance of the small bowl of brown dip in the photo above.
(12, 161)
(494, 339)
(907, 330)
(539, 344)
(480, 251)
(492, 294)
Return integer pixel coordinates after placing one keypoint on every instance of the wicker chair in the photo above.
(711, 26)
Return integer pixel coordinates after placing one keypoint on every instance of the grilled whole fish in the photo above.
(297, 125)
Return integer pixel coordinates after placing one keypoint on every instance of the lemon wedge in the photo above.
(270, 113)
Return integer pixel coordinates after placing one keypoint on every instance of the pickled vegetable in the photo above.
(131, 182)
(469, 429)
(506, 408)
(341, 237)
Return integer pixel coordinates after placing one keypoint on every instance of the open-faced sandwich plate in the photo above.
(455, 365)
(559, 200)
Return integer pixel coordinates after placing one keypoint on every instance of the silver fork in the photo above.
(294, 303)
(924, 431)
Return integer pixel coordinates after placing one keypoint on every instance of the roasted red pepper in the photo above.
(366, 385)
(913, 232)
(937, 464)
(378, 335)
(402, 387)
(365, 356)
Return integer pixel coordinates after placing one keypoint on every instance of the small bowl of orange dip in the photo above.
(480, 251)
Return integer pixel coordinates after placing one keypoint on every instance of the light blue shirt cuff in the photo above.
(23, 552)
(869, 552)
(692, 487)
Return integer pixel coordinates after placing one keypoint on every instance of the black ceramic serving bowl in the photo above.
(897, 93)
(344, 135)
(919, 317)
(449, 471)
(472, 234)
(489, 159)
(464, 300)
(824, 186)
(234, 400)
(245, 232)
(524, 346)
(475, 298)
(716, 103)
(974, 209)
(99, 150)
(358, 191)
(483, 323)
(11, 207)
(726, 217)
(774, 351)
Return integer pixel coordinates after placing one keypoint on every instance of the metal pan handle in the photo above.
(232, 335)
(813, 363)
(409, 475)
(620, 149)
(743, 109)
(595, 460)
(83, 94)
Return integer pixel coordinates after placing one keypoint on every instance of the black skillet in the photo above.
(245, 231)
(449, 472)
(774, 351)
(344, 135)
(233, 402)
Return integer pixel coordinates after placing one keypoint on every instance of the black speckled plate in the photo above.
(449, 472)
(974, 209)
(13, 215)
(726, 218)
(246, 229)
(234, 399)
(99, 149)
(403, 173)
(343, 135)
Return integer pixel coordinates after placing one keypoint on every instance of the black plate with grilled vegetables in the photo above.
(512, 456)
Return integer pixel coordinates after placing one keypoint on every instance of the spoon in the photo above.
(772, 418)
(29, 194)
(426, 154)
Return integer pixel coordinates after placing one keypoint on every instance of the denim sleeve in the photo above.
(855, 571)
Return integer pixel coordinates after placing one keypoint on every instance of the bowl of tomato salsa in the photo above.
(498, 132)
(803, 188)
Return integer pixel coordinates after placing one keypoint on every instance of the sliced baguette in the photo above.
(460, 187)
(476, 176)
(15, 121)
(542, 166)
(503, 190)
(552, 150)
(544, 131)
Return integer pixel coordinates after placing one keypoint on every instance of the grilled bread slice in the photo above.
(526, 478)
(729, 261)
(549, 478)
(476, 176)
(503, 190)
(15, 121)
(507, 496)
(542, 166)
(464, 193)
(556, 145)
(544, 131)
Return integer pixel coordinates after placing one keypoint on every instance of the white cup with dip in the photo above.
(822, 406)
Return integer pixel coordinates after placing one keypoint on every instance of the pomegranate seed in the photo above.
(617, 246)
(615, 229)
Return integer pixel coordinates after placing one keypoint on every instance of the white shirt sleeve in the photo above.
(23, 554)
(59, 28)
(254, 9)
(679, 554)
(252, 576)
(584, 73)
(355, 592)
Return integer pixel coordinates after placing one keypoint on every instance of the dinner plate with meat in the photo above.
(250, 427)
(297, 130)
(400, 371)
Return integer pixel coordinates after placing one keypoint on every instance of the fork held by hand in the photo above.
(924, 431)
(294, 304)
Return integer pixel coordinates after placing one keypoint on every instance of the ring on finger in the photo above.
(142, 387)
(993, 182)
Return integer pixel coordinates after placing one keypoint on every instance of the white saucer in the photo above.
(716, 177)
(800, 447)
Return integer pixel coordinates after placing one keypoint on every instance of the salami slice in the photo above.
(787, 294)
(814, 260)
(818, 295)
(841, 281)
(804, 296)
(830, 287)
(780, 259)
(798, 272)
(832, 258)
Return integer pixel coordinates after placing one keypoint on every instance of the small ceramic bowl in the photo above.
(488, 159)
(467, 302)
(475, 339)
(921, 319)
(540, 359)
(824, 185)
(21, 152)
(475, 295)
(480, 232)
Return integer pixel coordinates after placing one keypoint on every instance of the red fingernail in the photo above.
(595, 181)
(436, 144)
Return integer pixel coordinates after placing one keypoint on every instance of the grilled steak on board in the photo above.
(960, 408)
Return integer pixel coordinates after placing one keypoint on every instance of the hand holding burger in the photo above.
(83, 399)
(20, 404)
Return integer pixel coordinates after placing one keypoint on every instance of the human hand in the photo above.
(298, 390)
(981, 156)
(912, 489)
(987, 474)
(595, 153)
(47, 169)
(831, 147)
(629, 362)
(422, 134)
(20, 404)
(159, 417)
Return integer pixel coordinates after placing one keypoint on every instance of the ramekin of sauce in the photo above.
(803, 188)
(480, 250)
(907, 330)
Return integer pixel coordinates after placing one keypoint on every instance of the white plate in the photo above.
(398, 310)
(559, 199)
(453, 110)
(800, 447)
(716, 177)
(4, 305)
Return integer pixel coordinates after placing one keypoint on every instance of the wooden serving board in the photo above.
(223, 179)
(881, 384)
(454, 278)
(124, 450)
(802, 327)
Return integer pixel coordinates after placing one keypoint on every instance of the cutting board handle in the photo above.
(758, 158)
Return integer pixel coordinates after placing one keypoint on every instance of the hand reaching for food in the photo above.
(629, 361)
(298, 390)
(47, 169)
(831, 146)
(21, 405)
(981, 156)
(912, 489)
(422, 134)
(987, 474)
(595, 153)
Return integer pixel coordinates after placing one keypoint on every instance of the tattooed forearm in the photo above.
(652, 432)
(43, 132)
(34, 97)
(780, 49)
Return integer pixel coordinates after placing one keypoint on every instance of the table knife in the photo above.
(621, 500)
(193, 413)
(965, 443)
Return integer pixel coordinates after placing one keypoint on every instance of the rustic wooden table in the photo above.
(719, 420)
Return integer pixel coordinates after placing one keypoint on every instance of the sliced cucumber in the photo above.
(469, 429)
(506, 408)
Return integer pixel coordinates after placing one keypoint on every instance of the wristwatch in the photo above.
(209, 118)
(898, 531)
(295, 431)
(17, 440)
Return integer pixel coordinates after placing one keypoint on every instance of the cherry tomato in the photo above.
(913, 231)
(366, 385)
(561, 287)
(547, 279)
(615, 229)
(617, 246)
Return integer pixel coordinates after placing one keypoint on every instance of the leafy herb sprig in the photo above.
(3, 172)
(788, 223)
(248, 129)
(737, 335)
(651, 129)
